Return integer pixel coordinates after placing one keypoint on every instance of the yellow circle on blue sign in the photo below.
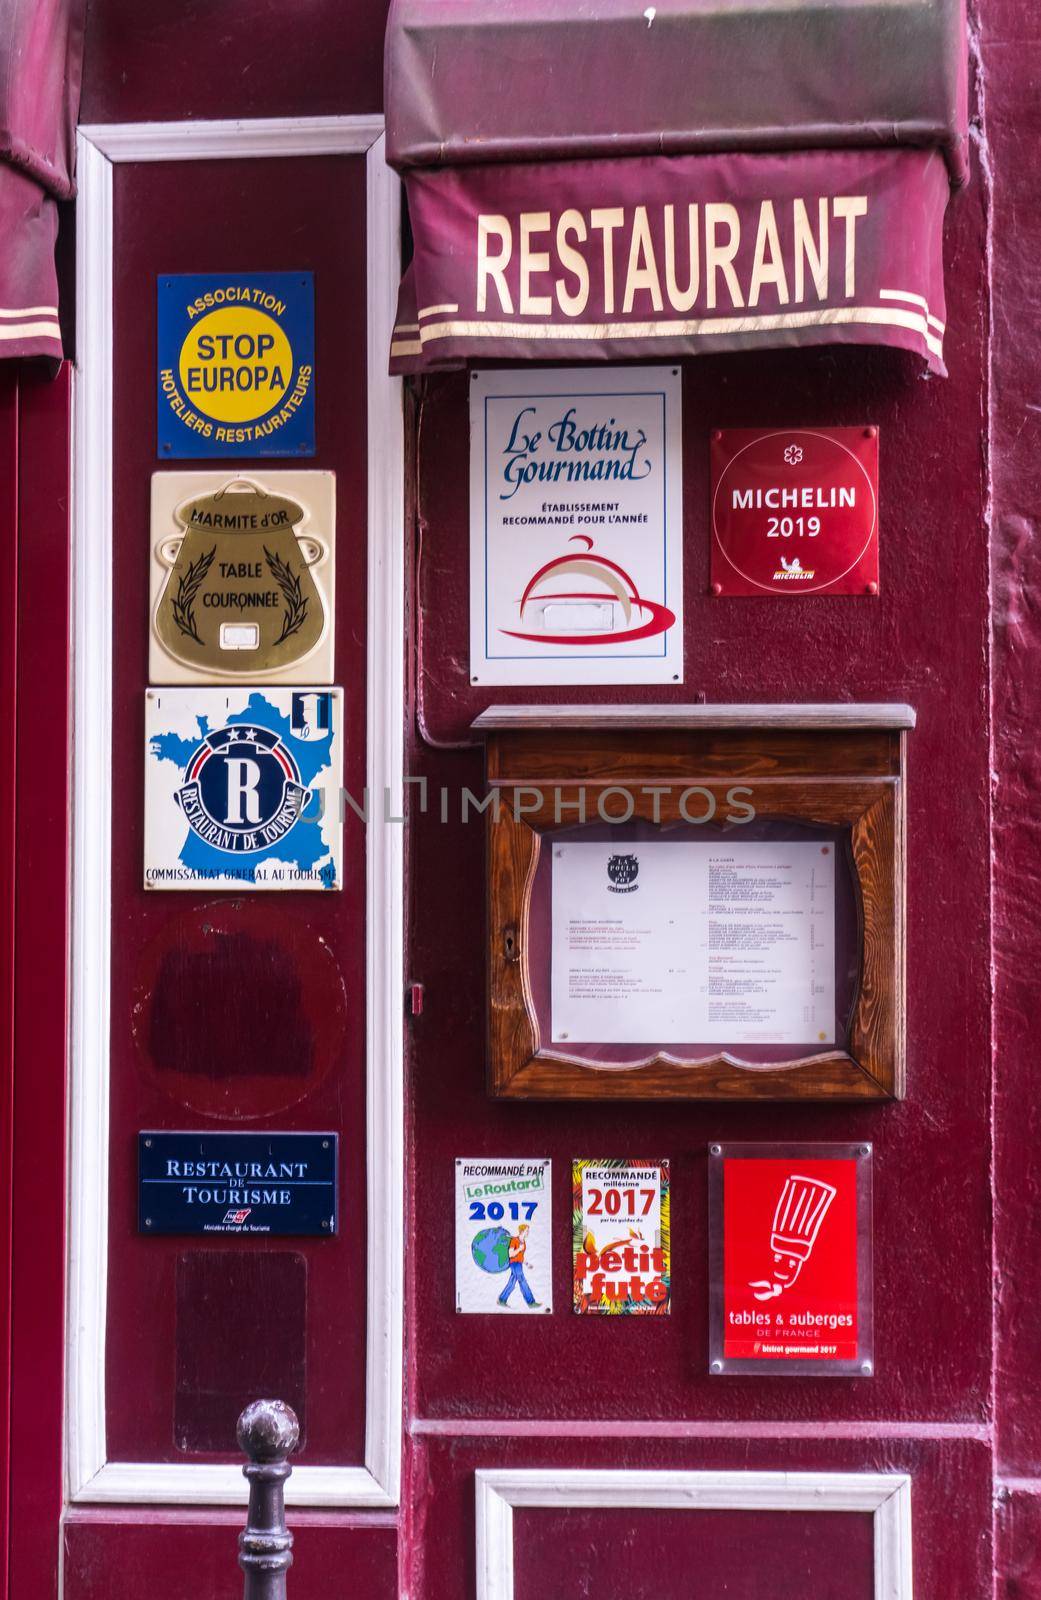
(235, 364)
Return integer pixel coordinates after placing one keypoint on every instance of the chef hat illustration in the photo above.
(801, 1209)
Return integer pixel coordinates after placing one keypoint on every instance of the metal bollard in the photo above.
(268, 1432)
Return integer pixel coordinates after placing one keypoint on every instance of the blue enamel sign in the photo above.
(272, 1183)
(242, 789)
(236, 364)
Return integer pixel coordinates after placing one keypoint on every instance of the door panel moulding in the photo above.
(665, 1428)
(886, 1496)
(90, 1476)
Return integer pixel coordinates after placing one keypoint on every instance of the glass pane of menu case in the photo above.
(647, 940)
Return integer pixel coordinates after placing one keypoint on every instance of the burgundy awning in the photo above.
(40, 51)
(591, 180)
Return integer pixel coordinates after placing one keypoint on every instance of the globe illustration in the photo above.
(491, 1249)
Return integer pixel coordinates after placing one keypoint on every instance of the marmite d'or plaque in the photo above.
(242, 577)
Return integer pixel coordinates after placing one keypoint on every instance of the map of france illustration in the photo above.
(304, 846)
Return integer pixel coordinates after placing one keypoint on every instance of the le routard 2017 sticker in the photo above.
(243, 574)
(621, 1238)
(236, 364)
(791, 1254)
(503, 1235)
(242, 788)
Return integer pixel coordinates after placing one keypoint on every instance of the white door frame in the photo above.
(90, 1475)
(885, 1495)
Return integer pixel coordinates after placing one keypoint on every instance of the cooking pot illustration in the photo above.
(240, 596)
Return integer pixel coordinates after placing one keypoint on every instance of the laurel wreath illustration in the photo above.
(296, 603)
(183, 603)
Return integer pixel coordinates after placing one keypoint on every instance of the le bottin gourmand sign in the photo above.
(576, 553)
(275, 1183)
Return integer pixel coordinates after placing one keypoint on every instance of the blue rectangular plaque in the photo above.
(236, 372)
(271, 1183)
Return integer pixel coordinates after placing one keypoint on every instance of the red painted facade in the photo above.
(955, 632)
(1011, 123)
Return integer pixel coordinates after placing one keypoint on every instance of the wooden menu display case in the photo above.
(696, 902)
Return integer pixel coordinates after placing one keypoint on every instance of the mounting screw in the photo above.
(872, 587)
(869, 433)
(325, 1144)
(148, 1144)
(717, 434)
(148, 1222)
(865, 1150)
(325, 1222)
(717, 589)
(715, 1149)
(866, 1368)
(717, 1366)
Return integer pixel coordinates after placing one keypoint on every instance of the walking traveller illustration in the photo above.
(517, 1278)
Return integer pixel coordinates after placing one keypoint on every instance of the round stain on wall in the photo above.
(238, 1010)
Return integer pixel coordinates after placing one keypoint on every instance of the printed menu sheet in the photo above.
(715, 942)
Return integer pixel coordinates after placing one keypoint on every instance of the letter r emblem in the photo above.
(243, 783)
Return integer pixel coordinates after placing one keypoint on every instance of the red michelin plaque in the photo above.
(795, 511)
